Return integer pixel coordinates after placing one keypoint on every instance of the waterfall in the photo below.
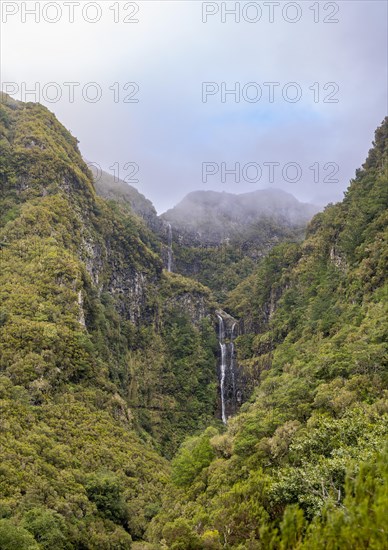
(221, 336)
(223, 369)
(230, 377)
(169, 249)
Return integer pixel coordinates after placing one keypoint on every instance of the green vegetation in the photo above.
(304, 464)
(108, 370)
(100, 371)
(222, 267)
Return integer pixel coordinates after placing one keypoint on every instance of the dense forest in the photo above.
(111, 433)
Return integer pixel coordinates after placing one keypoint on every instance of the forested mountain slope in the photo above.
(304, 464)
(111, 187)
(106, 360)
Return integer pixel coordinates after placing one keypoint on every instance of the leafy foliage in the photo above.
(93, 351)
(303, 464)
(107, 364)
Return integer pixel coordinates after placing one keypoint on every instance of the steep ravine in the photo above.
(117, 370)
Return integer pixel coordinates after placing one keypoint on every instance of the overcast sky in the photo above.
(174, 128)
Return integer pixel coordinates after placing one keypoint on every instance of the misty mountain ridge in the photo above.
(215, 216)
(211, 216)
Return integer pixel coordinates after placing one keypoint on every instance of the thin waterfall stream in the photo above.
(169, 249)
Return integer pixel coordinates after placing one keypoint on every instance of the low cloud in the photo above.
(170, 52)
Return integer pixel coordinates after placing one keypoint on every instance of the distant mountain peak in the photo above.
(214, 215)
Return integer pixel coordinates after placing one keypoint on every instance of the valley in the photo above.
(213, 377)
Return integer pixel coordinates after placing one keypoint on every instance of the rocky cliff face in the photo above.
(195, 305)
